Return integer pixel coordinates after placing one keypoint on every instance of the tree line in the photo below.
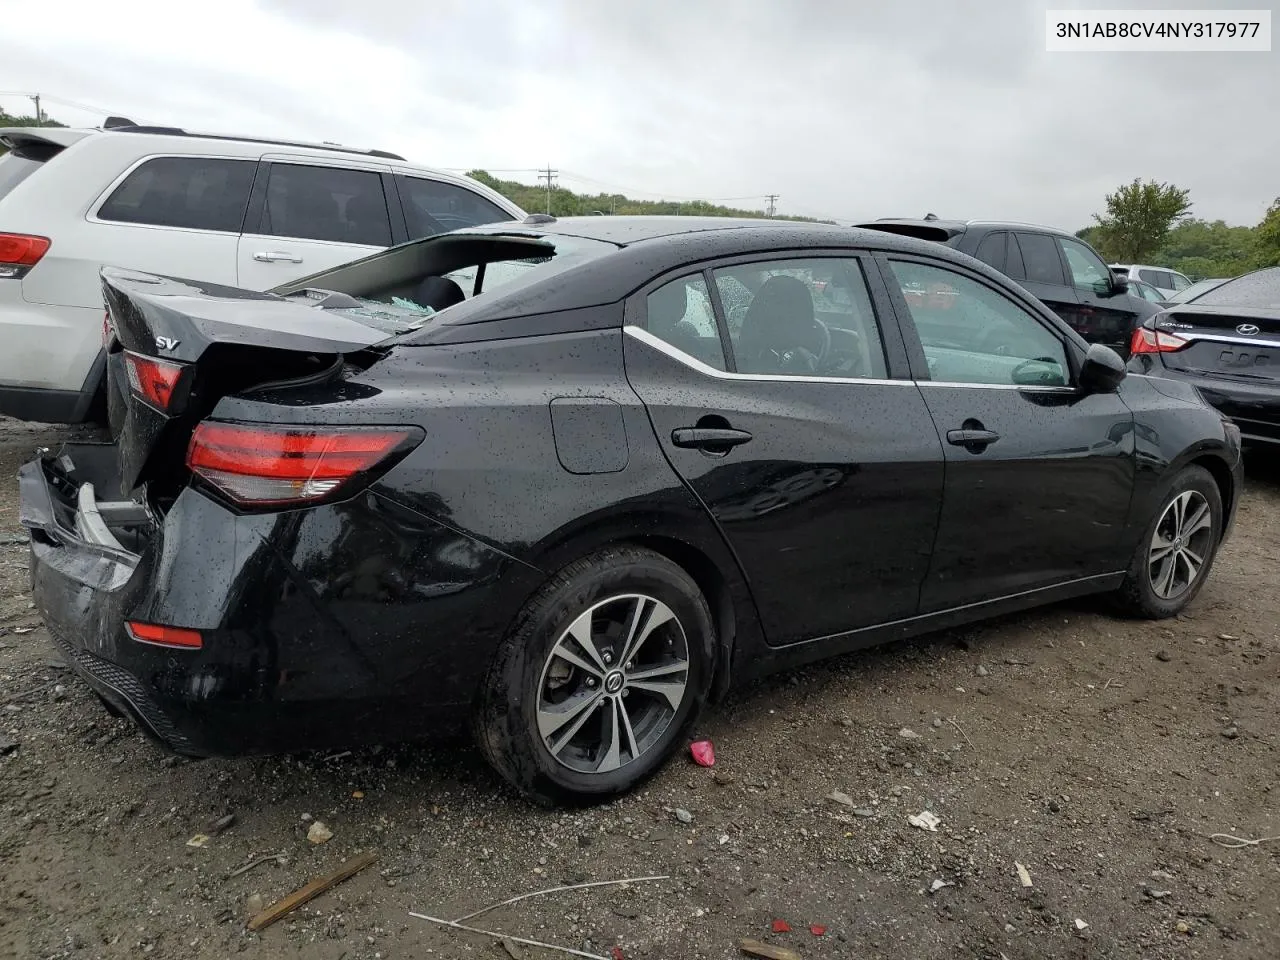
(1151, 223)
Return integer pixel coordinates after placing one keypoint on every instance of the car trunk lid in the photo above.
(176, 347)
(1242, 342)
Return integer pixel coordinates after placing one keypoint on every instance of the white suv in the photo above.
(231, 210)
(1163, 279)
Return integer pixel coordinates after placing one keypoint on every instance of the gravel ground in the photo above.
(1098, 753)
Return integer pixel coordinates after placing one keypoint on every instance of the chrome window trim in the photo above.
(645, 337)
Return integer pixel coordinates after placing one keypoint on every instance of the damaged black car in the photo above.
(567, 481)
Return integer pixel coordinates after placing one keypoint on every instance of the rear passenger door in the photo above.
(306, 216)
(1036, 263)
(808, 443)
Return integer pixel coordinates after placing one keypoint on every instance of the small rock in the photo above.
(1227, 636)
(7, 746)
(1081, 925)
(254, 904)
(1054, 806)
(1182, 926)
(222, 823)
(983, 671)
(939, 884)
(1161, 875)
(1164, 656)
(1231, 732)
(1010, 928)
(683, 815)
(306, 817)
(319, 833)
(846, 722)
(841, 798)
(1157, 894)
(722, 778)
(906, 733)
(863, 812)
(59, 692)
(937, 723)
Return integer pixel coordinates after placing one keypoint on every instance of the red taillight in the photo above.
(19, 253)
(258, 464)
(165, 636)
(1147, 340)
(152, 380)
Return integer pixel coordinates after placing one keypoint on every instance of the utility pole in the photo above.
(773, 200)
(35, 97)
(548, 174)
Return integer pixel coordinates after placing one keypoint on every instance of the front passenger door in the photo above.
(1038, 474)
(1105, 315)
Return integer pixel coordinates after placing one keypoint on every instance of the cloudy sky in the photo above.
(847, 110)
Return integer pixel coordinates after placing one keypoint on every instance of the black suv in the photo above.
(1063, 271)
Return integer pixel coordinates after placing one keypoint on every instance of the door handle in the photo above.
(972, 438)
(709, 438)
(277, 256)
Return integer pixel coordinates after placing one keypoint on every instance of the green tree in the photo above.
(1201, 248)
(1267, 238)
(1138, 219)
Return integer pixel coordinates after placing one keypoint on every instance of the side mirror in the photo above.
(1119, 283)
(1102, 370)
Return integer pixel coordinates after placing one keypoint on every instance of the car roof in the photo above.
(68, 135)
(944, 230)
(718, 234)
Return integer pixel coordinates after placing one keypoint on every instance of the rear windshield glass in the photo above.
(1258, 289)
(13, 170)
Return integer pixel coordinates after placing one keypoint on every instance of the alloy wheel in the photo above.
(1180, 545)
(612, 683)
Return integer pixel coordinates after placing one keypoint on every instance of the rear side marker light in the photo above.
(258, 465)
(1147, 340)
(152, 380)
(20, 252)
(163, 636)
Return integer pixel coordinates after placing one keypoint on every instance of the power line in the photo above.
(773, 201)
(548, 174)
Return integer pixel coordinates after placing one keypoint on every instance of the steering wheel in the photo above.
(1013, 374)
(801, 359)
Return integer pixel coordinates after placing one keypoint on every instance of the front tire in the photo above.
(1177, 548)
(605, 670)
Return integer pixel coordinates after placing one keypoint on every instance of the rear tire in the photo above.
(1177, 548)
(604, 671)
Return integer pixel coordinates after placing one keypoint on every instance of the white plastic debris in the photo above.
(925, 821)
(939, 884)
(841, 798)
(1081, 925)
(1023, 876)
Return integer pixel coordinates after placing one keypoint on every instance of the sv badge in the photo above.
(166, 343)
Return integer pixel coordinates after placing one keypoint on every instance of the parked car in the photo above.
(230, 210)
(1163, 279)
(570, 509)
(1063, 271)
(1193, 291)
(1145, 291)
(1225, 342)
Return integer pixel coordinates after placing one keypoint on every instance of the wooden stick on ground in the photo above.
(345, 871)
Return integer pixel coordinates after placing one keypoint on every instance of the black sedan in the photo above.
(1226, 342)
(571, 480)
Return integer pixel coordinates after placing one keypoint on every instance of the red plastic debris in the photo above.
(616, 953)
(781, 926)
(704, 753)
(817, 929)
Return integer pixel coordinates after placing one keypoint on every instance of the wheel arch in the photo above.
(1222, 476)
(689, 539)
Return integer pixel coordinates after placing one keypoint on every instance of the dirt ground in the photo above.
(1098, 753)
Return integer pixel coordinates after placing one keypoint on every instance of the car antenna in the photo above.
(931, 216)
